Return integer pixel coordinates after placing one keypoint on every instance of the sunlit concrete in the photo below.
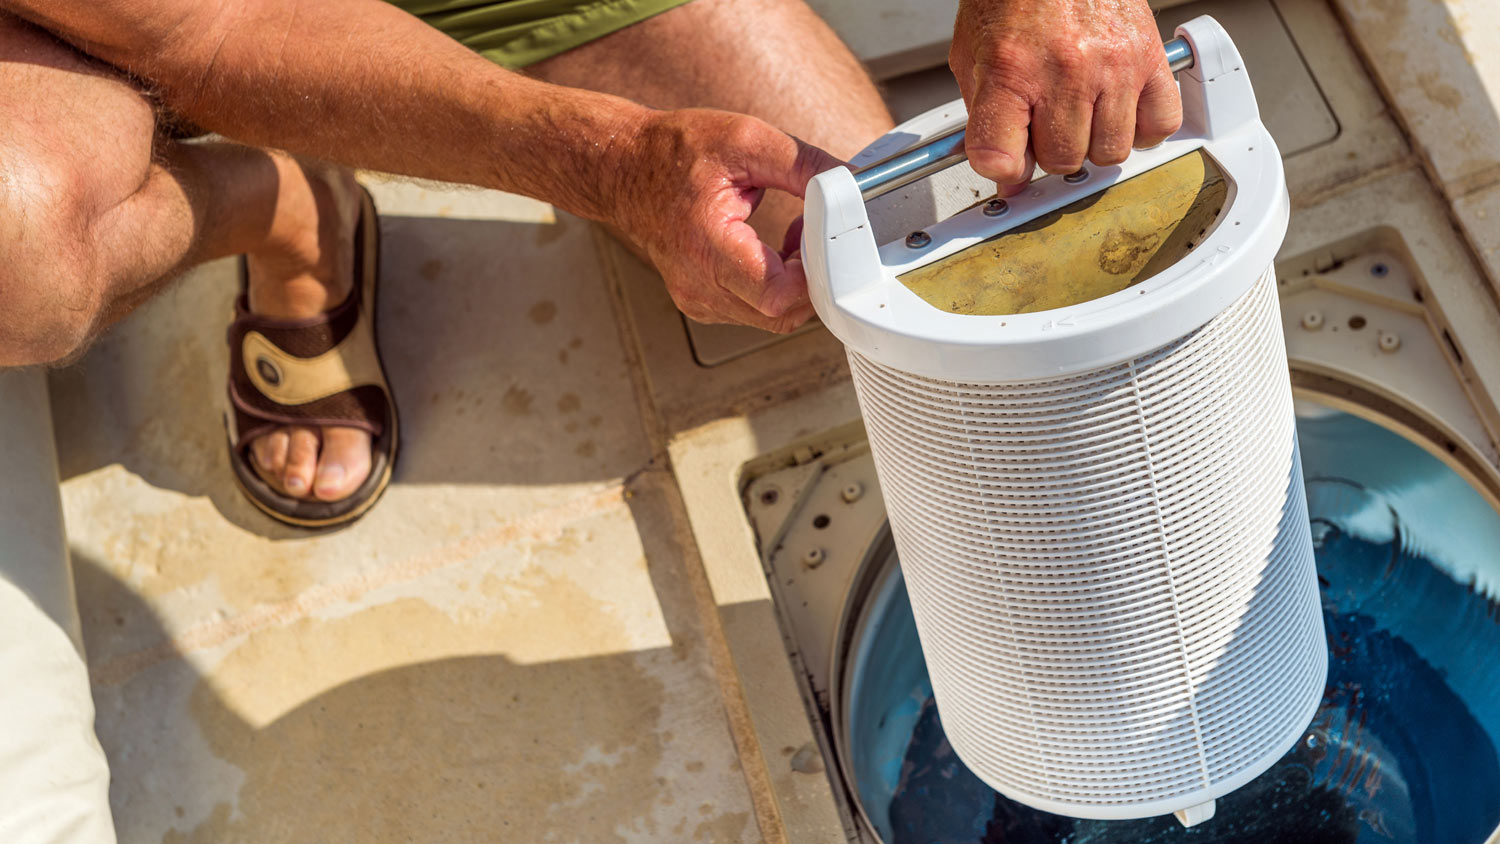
(505, 648)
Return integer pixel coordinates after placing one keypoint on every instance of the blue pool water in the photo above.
(1403, 747)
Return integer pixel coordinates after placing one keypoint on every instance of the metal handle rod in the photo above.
(947, 149)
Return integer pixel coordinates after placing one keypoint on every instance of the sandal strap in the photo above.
(323, 370)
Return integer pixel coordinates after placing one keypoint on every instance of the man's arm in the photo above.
(1063, 79)
(362, 83)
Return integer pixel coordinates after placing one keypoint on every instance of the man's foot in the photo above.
(306, 270)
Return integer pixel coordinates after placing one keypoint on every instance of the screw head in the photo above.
(852, 492)
(813, 558)
(918, 240)
(995, 207)
(1379, 270)
(1312, 320)
(1390, 342)
(1076, 178)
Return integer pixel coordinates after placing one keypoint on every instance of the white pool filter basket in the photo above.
(1099, 510)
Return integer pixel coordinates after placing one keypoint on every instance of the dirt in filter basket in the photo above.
(1094, 247)
(1403, 747)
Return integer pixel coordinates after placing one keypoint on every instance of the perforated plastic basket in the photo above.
(1098, 509)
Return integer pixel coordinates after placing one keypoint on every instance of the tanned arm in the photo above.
(364, 84)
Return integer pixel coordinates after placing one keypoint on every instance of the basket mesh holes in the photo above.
(1110, 571)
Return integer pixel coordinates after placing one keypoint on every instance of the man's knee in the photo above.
(50, 285)
(56, 275)
(38, 323)
(85, 153)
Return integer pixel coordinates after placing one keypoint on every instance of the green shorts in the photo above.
(516, 33)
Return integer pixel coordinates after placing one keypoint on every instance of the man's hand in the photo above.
(1062, 80)
(685, 183)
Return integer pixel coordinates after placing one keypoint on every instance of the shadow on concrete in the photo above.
(397, 724)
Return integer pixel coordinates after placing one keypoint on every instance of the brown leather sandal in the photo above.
(325, 370)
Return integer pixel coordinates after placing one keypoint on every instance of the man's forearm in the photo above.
(361, 83)
(358, 82)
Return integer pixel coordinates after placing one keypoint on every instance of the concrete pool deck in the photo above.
(552, 628)
(508, 647)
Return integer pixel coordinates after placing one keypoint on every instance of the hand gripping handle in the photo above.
(946, 150)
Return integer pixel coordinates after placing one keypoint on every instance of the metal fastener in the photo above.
(1390, 341)
(995, 207)
(1075, 178)
(918, 240)
(268, 371)
(1379, 270)
(1312, 320)
(813, 558)
(852, 492)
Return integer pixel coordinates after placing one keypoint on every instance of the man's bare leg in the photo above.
(96, 212)
(772, 59)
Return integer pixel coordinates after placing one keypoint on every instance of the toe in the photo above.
(301, 461)
(344, 463)
(269, 451)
